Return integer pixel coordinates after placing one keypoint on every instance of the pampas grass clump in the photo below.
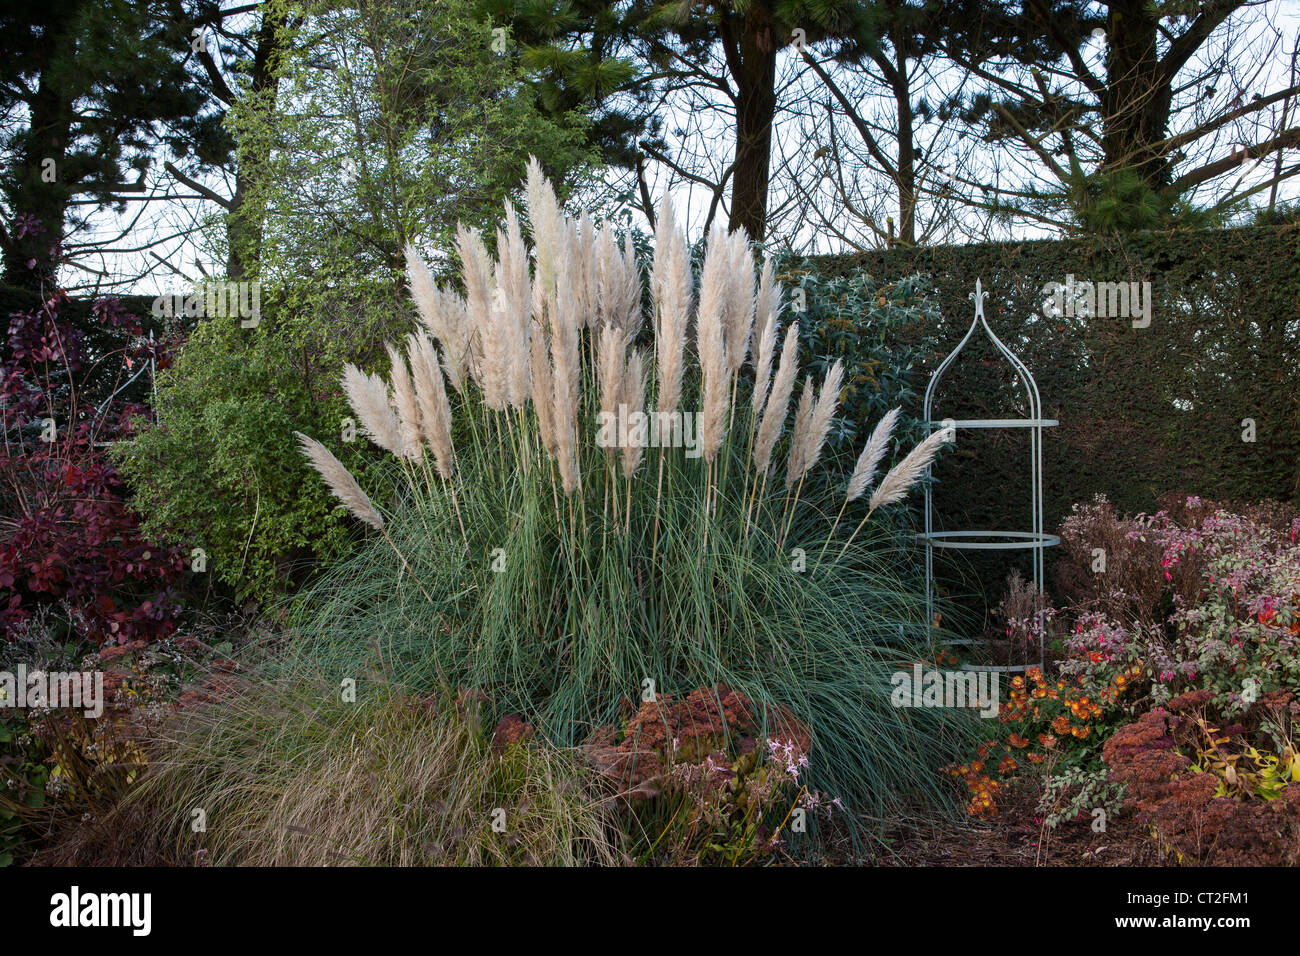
(608, 525)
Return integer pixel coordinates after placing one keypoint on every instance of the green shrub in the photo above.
(212, 473)
(881, 331)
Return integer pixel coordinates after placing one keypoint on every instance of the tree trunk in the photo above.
(753, 63)
(1138, 96)
(27, 260)
(906, 152)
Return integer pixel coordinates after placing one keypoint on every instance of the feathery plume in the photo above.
(340, 481)
(442, 312)
(565, 358)
(548, 226)
(819, 424)
(431, 394)
(768, 306)
(424, 290)
(610, 349)
(799, 433)
(634, 397)
(368, 396)
(408, 412)
(607, 276)
(670, 286)
(458, 340)
(627, 302)
(512, 278)
(494, 368)
(715, 284)
(619, 285)
(512, 266)
(895, 485)
(476, 269)
(543, 391)
(864, 472)
(769, 427)
(738, 313)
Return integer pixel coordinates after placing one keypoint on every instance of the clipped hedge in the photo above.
(1142, 411)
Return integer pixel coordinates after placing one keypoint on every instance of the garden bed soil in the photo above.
(1017, 837)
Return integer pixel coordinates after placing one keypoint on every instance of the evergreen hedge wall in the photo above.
(1142, 410)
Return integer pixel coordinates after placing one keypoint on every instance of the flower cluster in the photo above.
(1044, 717)
(1232, 593)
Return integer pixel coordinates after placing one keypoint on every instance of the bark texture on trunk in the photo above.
(752, 57)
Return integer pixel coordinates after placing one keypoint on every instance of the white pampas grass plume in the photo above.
(627, 301)
(494, 367)
(512, 265)
(634, 397)
(895, 485)
(715, 285)
(610, 350)
(769, 427)
(513, 281)
(543, 391)
(476, 270)
(548, 226)
(618, 285)
(457, 339)
(566, 457)
(607, 276)
(873, 453)
(738, 312)
(819, 423)
(368, 396)
(565, 358)
(408, 411)
(670, 287)
(443, 313)
(799, 433)
(340, 481)
(768, 307)
(431, 394)
(423, 289)
(571, 273)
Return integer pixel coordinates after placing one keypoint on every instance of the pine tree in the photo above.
(99, 84)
